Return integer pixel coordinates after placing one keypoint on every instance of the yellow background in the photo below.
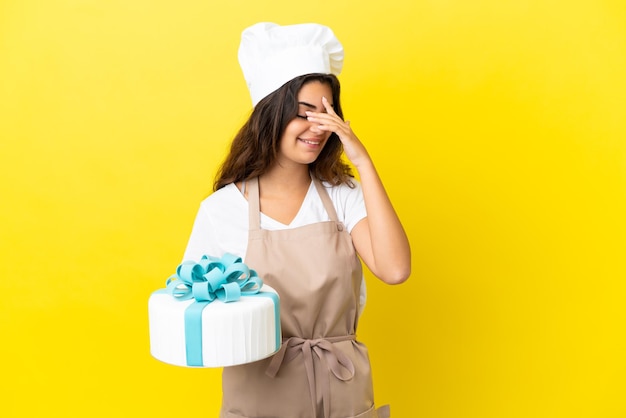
(498, 126)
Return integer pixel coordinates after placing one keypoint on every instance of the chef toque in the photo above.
(271, 55)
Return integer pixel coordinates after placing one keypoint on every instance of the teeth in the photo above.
(310, 142)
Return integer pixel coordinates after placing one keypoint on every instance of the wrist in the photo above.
(363, 164)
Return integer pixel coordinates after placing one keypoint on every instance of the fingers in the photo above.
(330, 121)
(327, 106)
(329, 110)
(330, 118)
(327, 122)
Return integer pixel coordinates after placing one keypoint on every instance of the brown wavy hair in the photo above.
(256, 146)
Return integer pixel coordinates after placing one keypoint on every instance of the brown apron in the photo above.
(320, 370)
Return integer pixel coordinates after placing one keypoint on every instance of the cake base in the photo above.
(232, 333)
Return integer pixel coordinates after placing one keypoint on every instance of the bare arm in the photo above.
(379, 238)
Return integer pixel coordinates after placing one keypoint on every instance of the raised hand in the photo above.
(331, 122)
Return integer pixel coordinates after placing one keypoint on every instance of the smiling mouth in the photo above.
(307, 141)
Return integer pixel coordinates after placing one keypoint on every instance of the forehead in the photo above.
(315, 90)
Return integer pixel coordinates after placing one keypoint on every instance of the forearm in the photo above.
(389, 252)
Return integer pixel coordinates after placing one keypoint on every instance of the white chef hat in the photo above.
(270, 55)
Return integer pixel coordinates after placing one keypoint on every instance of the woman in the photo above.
(286, 202)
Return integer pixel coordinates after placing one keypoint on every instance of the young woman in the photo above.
(287, 204)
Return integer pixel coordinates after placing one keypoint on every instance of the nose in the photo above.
(315, 128)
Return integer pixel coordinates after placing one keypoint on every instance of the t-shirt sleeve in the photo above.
(199, 242)
(221, 226)
(353, 205)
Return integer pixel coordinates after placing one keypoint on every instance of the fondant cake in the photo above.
(214, 313)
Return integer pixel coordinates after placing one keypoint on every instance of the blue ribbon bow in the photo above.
(211, 278)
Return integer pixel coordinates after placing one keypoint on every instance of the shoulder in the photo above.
(344, 192)
(348, 202)
(225, 206)
(221, 225)
(221, 198)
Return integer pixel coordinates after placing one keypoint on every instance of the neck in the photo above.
(282, 180)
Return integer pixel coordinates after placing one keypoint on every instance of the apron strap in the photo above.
(328, 204)
(254, 207)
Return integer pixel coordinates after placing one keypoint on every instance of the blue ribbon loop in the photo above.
(225, 279)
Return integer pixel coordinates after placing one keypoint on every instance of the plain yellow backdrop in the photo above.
(499, 128)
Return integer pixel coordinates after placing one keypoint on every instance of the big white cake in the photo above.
(187, 328)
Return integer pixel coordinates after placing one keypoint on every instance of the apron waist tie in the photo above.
(333, 360)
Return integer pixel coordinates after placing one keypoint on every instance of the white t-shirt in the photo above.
(221, 225)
